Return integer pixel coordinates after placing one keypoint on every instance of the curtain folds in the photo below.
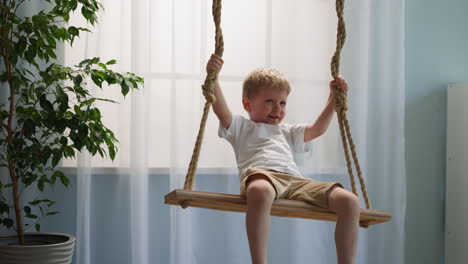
(168, 43)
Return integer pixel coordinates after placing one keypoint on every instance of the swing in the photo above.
(281, 207)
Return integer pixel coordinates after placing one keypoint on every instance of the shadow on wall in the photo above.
(425, 125)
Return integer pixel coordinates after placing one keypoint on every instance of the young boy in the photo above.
(264, 152)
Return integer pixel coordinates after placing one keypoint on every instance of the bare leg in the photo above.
(346, 205)
(260, 195)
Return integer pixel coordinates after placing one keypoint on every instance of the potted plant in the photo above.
(48, 115)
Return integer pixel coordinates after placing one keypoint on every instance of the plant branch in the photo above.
(11, 163)
(18, 5)
(14, 13)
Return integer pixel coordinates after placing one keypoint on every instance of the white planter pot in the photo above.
(39, 248)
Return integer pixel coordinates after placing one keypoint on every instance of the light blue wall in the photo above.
(436, 55)
(113, 218)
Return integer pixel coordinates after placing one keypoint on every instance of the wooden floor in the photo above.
(281, 207)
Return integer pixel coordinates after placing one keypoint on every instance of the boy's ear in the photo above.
(246, 104)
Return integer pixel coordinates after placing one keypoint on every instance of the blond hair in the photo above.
(264, 78)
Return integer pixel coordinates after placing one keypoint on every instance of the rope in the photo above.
(208, 92)
(341, 106)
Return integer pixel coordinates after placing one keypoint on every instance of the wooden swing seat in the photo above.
(281, 207)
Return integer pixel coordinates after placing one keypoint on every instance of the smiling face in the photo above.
(267, 106)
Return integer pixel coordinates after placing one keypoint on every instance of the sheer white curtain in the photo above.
(168, 42)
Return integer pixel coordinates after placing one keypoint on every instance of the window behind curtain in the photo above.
(296, 37)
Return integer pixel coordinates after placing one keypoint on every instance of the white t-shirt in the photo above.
(265, 146)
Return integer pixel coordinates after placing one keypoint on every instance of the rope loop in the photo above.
(208, 87)
(341, 100)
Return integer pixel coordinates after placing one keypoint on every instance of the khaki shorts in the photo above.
(291, 187)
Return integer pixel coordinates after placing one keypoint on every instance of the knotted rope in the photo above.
(208, 92)
(341, 106)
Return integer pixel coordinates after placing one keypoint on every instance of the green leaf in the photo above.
(29, 128)
(38, 227)
(3, 115)
(78, 111)
(60, 33)
(83, 132)
(63, 141)
(73, 5)
(50, 203)
(63, 107)
(40, 90)
(51, 41)
(30, 178)
(111, 78)
(101, 74)
(73, 31)
(32, 216)
(125, 87)
(30, 54)
(60, 125)
(66, 17)
(96, 79)
(111, 62)
(83, 62)
(112, 152)
(45, 155)
(94, 114)
(57, 156)
(107, 100)
(134, 83)
(103, 66)
(88, 102)
(65, 181)
(40, 186)
(52, 213)
(86, 13)
(8, 223)
(27, 210)
(21, 45)
(70, 152)
(84, 29)
(35, 202)
(53, 179)
(4, 208)
(51, 53)
(101, 152)
(76, 140)
(77, 80)
(46, 104)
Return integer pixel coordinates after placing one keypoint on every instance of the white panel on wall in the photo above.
(456, 216)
